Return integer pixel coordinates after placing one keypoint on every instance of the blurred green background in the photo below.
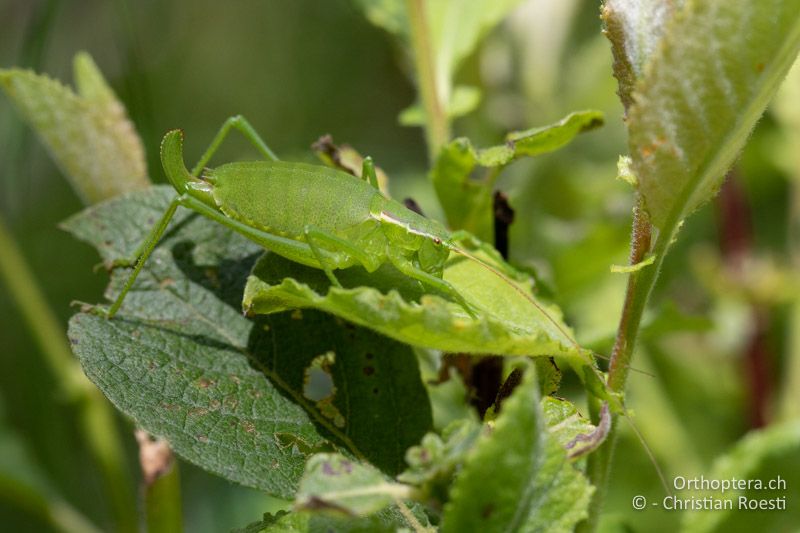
(716, 340)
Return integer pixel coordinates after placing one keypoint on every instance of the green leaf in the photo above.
(467, 201)
(435, 459)
(718, 65)
(517, 477)
(764, 455)
(24, 486)
(336, 484)
(455, 26)
(635, 30)
(88, 134)
(395, 305)
(465, 100)
(250, 400)
(569, 428)
(388, 520)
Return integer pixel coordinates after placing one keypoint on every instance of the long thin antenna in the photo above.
(533, 302)
(649, 454)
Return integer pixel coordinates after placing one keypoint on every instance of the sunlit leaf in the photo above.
(88, 134)
(700, 93)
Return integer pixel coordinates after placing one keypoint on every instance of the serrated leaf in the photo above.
(764, 455)
(229, 393)
(333, 483)
(467, 202)
(397, 306)
(88, 134)
(718, 65)
(517, 478)
(465, 100)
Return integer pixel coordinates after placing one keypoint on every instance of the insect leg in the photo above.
(143, 252)
(368, 172)
(267, 240)
(315, 236)
(241, 124)
(406, 267)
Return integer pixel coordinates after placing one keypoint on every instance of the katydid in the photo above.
(314, 215)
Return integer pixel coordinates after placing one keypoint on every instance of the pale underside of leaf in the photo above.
(88, 135)
(396, 306)
(703, 89)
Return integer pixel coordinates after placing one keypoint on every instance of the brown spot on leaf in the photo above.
(487, 510)
(369, 370)
(166, 282)
(204, 383)
(248, 426)
(202, 438)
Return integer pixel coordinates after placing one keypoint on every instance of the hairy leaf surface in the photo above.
(336, 484)
(517, 477)
(88, 134)
(702, 90)
(248, 399)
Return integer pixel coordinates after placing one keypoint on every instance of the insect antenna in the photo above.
(650, 454)
(629, 367)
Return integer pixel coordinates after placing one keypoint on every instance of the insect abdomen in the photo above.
(282, 198)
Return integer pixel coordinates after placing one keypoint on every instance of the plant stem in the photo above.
(640, 285)
(96, 418)
(163, 502)
(434, 99)
(50, 509)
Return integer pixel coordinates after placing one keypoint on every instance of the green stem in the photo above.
(437, 127)
(96, 418)
(52, 510)
(640, 286)
(163, 502)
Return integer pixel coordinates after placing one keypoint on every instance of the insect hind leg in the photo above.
(241, 124)
(406, 267)
(316, 237)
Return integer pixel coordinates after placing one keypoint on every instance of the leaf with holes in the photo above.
(88, 134)
(517, 476)
(250, 400)
(700, 92)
